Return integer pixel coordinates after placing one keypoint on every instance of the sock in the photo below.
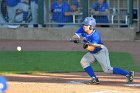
(120, 71)
(90, 72)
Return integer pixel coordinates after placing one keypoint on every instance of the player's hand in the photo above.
(75, 38)
(85, 46)
(89, 47)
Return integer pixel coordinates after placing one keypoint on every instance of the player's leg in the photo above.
(103, 59)
(25, 8)
(85, 62)
(34, 8)
(11, 13)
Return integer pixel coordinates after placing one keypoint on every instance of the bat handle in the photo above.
(102, 46)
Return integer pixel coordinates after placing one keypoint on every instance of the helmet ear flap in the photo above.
(91, 27)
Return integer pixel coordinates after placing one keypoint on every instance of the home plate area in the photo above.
(71, 83)
(109, 79)
(85, 83)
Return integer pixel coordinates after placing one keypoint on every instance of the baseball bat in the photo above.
(81, 42)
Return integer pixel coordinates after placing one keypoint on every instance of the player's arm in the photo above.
(91, 47)
(75, 38)
(52, 8)
(98, 45)
(77, 35)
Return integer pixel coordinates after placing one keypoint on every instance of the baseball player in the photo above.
(3, 84)
(96, 51)
(58, 10)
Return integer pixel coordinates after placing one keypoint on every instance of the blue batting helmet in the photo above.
(90, 21)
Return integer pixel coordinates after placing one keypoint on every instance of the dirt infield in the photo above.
(70, 82)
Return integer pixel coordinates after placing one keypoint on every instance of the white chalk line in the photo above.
(106, 91)
(132, 85)
(76, 82)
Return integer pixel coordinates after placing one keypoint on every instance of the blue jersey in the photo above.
(76, 2)
(36, 1)
(58, 12)
(12, 3)
(4, 84)
(93, 38)
(101, 19)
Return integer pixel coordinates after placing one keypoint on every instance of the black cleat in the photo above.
(130, 77)
(94, 81)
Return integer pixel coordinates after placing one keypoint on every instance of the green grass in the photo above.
(52, 61)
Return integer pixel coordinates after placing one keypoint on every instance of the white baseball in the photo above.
(18, 48)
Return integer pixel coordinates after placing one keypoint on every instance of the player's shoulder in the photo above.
(65, 4)
(96, 33)
(96, 3)
(81, 29)
(54, 4)
(106, 4)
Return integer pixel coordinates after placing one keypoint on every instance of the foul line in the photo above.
(106, 91)
(132, 85)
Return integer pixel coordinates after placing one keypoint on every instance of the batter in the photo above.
(97, 51)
